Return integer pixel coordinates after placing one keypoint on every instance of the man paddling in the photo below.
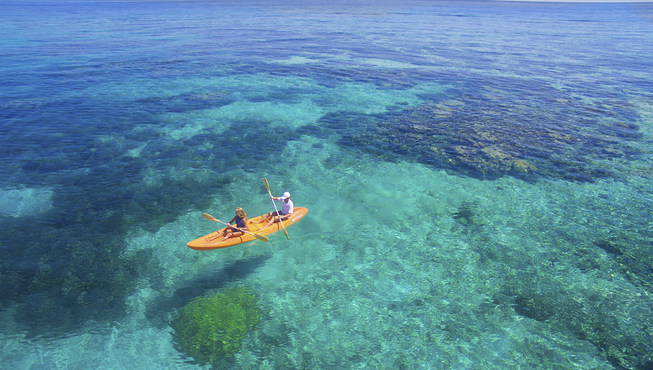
(286, 210)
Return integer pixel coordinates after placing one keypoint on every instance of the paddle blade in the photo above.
(209, 217)
(267, 185)
(261, 237)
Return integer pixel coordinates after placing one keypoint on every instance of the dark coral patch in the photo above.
(465, 213)
(496, 133)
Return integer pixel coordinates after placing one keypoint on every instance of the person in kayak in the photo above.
(240, 220)
(286, 210)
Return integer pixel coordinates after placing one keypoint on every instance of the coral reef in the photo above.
(495, 134)
(211, 328)
(597, 318)
(633, 257)
(60, 281)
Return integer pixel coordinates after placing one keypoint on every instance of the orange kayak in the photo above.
(256, 226)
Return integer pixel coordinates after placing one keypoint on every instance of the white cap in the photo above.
(285, 196)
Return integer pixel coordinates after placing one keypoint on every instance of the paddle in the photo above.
(257, 236)
(275, 207)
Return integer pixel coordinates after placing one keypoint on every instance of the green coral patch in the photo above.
(211, 328)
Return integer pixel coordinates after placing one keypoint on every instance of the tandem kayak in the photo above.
(256, 225)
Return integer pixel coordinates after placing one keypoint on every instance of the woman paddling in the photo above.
(240, 220)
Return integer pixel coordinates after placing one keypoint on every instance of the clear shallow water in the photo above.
(478, 179)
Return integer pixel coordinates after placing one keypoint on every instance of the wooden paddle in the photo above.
(275, 207)
(257, 236)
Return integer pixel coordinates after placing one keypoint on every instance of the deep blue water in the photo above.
(520, 132)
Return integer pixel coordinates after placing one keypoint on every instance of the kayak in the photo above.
(256, 226)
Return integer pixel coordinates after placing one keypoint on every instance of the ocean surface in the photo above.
(478, 177)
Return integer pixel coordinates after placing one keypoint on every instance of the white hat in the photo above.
(285, 196)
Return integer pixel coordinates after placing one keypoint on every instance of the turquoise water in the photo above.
(478, 178)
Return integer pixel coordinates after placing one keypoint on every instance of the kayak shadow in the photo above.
(161, 311)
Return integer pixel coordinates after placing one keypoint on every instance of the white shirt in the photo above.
(287, 207)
